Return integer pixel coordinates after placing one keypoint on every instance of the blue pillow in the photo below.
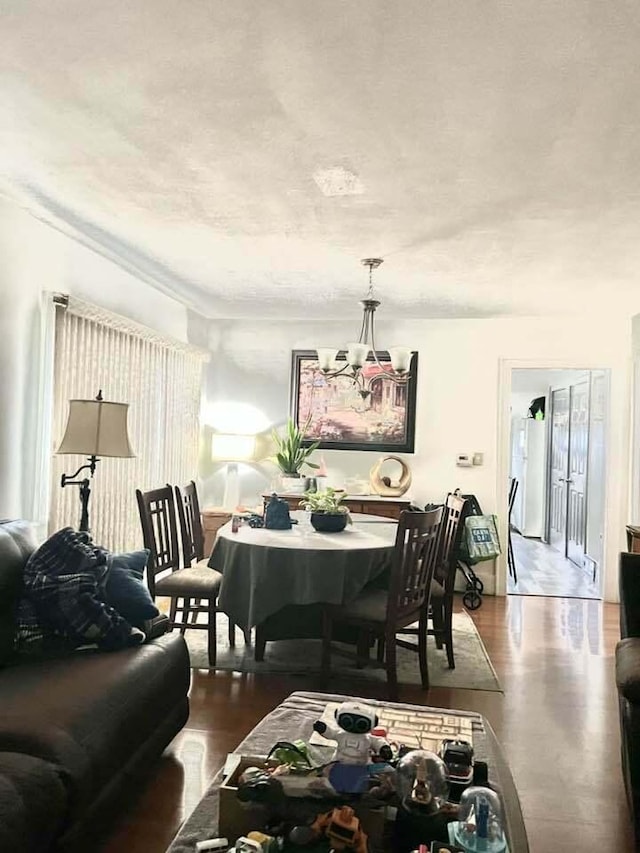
(125, 589)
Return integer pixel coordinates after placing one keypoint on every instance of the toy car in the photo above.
(458, 758)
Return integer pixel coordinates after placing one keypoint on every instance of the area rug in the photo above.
(474, 670)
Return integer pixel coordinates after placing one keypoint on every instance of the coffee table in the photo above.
(294, 719)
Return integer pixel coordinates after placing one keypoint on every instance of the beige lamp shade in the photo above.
(227, 447)
(97, 428)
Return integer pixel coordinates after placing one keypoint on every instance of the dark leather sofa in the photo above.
(628, 681)
(76, 731)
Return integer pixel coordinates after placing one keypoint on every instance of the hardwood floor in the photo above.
(557, 722)
(542, 570)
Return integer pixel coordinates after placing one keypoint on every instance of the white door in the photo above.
(577, 479)
(560, 400)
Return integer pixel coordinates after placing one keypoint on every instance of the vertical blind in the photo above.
(160, 379)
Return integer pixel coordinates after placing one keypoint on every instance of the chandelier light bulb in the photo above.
(400, 358)
(357, 354)
(327, 358)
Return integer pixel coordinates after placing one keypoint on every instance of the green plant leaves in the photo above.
(291, 454)
(327, 501)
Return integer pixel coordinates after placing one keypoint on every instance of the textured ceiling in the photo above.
(246, 155)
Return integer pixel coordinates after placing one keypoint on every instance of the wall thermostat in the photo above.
(463, 460)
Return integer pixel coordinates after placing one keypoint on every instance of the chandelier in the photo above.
(333, 363)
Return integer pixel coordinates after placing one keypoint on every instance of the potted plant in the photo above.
(291, 455)
(327, 513)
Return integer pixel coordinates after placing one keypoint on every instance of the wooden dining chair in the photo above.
(191, 532)
(185, 586)
(192, 537)
(381, 613)
(440, 604)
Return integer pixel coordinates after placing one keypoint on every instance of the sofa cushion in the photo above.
(125, 589)
(17, 543)
(628, 668)
(33, 803)
(90, 711)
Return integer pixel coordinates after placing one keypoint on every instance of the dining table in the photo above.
(278, 580)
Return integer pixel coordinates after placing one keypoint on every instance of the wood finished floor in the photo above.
(542, 570)
(557, 722)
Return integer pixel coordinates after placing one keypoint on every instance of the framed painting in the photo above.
(380, 415)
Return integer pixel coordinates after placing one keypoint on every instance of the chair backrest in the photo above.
(414, 559)
(159, 531)
(190, 523)
(445, 570)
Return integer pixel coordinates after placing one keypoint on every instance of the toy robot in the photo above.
(353, 734)
(357, 747)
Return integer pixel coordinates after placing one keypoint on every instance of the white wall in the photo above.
(35, 258)
(459, 407)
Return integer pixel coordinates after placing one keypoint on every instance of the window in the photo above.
(160, 379)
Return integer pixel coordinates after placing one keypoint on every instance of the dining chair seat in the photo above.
(193, 583)
(369, 606)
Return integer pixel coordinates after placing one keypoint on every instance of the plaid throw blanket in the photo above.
(62, 606)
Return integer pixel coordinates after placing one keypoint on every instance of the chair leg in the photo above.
(172, 611)
(380, 654)
(325, 665)
(186, 612)
(232, 633)
(422, 650)
(448, 635)
(391, 666)
(211, 632)
(511, 560)
(438, 619)
(261, 644)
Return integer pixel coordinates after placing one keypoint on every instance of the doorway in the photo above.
(558, 428)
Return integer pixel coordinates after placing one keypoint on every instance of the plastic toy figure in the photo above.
(342, 829)
(357, 747)
(356, 743)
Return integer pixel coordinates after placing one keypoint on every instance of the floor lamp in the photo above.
(230, 448)
(94, 428)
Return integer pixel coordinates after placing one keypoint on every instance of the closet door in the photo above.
(577, 480)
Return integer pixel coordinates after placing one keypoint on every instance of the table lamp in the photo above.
(232, 448)
(94, 428)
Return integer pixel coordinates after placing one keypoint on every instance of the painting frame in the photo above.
(404, 443)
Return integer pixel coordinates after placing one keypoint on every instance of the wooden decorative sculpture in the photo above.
(383, 485)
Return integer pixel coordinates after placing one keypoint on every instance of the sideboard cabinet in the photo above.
(369, 504)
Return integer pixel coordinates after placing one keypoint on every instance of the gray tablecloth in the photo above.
(294, 719)
(265, 570)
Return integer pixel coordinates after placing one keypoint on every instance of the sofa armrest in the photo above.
(157, 626)
(629, 582)
(628, 669)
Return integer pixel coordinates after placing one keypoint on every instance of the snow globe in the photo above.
(479, 828)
